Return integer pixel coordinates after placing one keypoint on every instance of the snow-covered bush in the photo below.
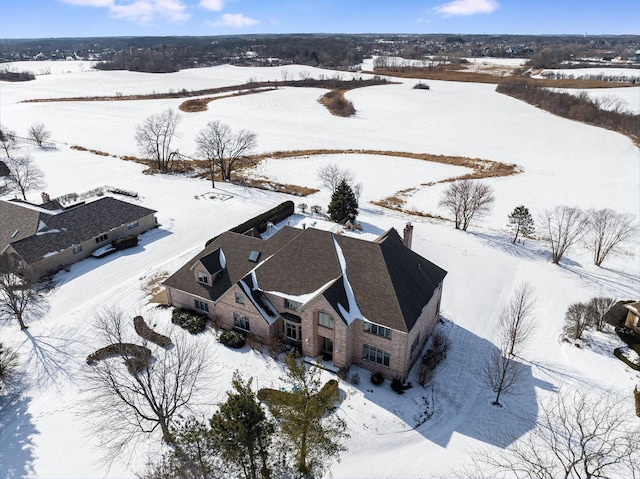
(190, 320)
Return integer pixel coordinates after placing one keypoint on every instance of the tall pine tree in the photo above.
(242, 432)
(520, 222)
(343, 205)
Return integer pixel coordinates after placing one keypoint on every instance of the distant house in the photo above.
(48, 237)
(632, 321)
(373, 304)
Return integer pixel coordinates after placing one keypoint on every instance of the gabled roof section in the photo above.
(74, 226)
(18, 222)
(258, 299)
(236, 248)
(213, 262)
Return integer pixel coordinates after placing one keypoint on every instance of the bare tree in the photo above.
(39, 133)
(221, 147)
(154, 137)
(563, 226)
(467, 199)
(18, 296)
(24, 174)
(600, 306)
(7, 140)
(502, 373)
(577, 435)
(128, 405)
(517, 323)
(331, 175)
(8, 369)
(577, 320)
(608, 231)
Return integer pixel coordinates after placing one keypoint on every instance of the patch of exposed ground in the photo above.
(451, 74)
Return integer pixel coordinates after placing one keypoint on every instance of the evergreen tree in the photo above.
(521, 222)
(344, 204)
(312, 432)
(242, 431)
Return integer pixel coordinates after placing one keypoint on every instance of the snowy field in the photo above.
(45, 431)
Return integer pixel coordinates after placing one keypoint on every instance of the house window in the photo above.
(325, 320)
(76, 248)
(239, 297)
(293, 331)
(414, 346)
(130, 226)
(203, 277)
(101, 238)
(375, 355)
(240, 321)
(377, 330)
(201, 305)
(291, 304)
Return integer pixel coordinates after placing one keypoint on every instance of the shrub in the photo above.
(190, 320)
(355, 379)
(146, 332)
(396, 385)
(377, 378)
(629, 355)
(233, 339)
(125, 242)
(420, 86)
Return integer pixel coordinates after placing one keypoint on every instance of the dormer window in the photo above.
(203, 277)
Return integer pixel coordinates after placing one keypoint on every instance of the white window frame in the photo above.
(132, 225)
(102, 238)
(201, 305)
(292, 305)
(203, 277)
(376, 355)
(377, 330)
(241, 322)
(291, 326)
(239, 297)
(76, 248)
(328, 324)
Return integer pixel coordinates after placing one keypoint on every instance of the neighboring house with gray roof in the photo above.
(48, 237)
(373, 304)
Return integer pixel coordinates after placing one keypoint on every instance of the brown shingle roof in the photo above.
(391, 284)
(61, 230)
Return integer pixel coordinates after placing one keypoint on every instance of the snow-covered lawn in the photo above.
(45, 431)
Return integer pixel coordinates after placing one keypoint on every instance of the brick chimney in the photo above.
(45, 197)
(407, 234)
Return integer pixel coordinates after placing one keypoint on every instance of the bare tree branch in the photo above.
(221, 147)
(563, 227)
(517, 323)
(39, 133)
(154, 137)
(465, 200)
(331, 175)
(607, 232)
(24, 175)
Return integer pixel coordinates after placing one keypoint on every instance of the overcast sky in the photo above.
(84, 18)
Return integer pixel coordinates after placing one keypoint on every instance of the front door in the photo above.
(327, 349)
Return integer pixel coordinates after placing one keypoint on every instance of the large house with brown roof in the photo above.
(369, 303)
(48, 237)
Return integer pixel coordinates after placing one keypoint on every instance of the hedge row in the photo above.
(146, 332)
(125, 242)
(137, 356)
(274, 215)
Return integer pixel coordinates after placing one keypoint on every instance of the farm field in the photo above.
(46, 432)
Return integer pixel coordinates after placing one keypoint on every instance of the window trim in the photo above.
(292, 304)
(76, 249)
(132, 225)
(203, 278)
(376, 330)
(241, 322)
(297, 327)
(378, 353)
(239, 296)
(201, 305)
(102, 238)
(321, 314)
(415, 346)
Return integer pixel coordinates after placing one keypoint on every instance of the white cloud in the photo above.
(235, 20)
(215, 5)
(139, 11)
(466, 7)
(89, 3)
